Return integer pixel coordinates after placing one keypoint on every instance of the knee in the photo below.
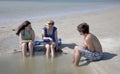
(47, 45)
(30, 43)
(52, 45)
(77, 49)
(24, 45)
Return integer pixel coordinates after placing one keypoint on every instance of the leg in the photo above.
(47, 46)
(24, 49)
(52, 46)
(30, 46)
(74, 52)
(76, 55)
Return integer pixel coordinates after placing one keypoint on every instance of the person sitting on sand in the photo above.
(49, 35)
(92, 49)
(26, 35)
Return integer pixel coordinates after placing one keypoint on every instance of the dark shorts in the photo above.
(93, 56)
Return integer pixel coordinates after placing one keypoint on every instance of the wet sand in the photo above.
(104, 24)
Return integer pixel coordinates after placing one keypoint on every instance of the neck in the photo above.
(27, 29)
(85, 35)
(49, 28)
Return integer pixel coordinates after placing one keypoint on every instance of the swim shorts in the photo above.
(93, 56)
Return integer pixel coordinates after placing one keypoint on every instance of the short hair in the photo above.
(83, 27)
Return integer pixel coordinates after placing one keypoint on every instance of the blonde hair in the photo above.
(51, 22)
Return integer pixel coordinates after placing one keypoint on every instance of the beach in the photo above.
(104, 24)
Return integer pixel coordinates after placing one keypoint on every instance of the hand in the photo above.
(50, 39)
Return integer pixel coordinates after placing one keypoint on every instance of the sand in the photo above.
(104, 24)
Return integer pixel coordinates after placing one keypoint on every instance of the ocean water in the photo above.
(25, 10)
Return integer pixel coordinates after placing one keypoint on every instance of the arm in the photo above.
(85, 44)
(56, 39)
(33, 35)
(89, 44)
(45, 38)
(20, 38)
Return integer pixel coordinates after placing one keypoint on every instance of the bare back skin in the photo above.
(92, 43)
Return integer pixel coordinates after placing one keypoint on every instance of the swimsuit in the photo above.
(50, 35)
(93, 56)
(26, 35)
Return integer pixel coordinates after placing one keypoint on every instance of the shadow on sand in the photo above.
(70, 45)
(41, 48)
(106, 56)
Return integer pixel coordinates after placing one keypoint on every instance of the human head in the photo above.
(83, 28)
(22, 26)
(50, 22)
(25, 24)
(28, 26)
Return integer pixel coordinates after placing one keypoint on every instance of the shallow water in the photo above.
(14, 63)
(39, 64)
(22, 10)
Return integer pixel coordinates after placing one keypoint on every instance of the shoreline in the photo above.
(80, 8)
